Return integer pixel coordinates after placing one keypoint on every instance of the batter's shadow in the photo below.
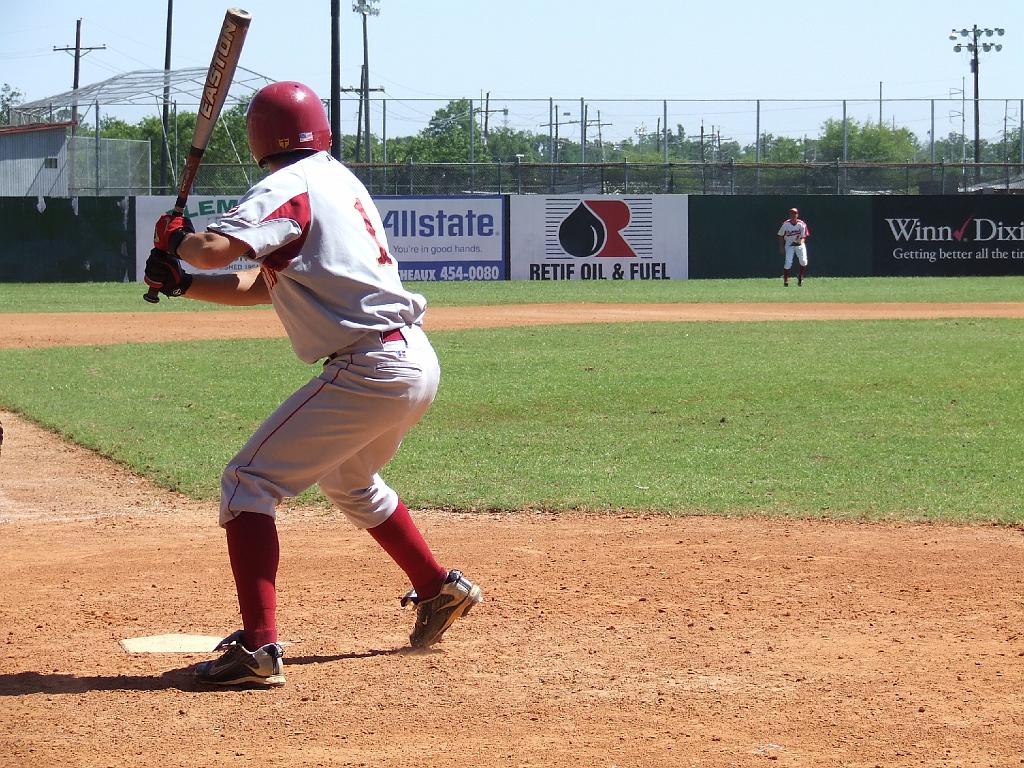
(181, 679)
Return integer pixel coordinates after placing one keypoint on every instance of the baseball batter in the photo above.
(324, 263)
(793, 236)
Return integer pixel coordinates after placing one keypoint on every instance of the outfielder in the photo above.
(324, 264)
(792, 242)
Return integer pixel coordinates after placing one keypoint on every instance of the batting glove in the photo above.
(170, 230)
(164, 274)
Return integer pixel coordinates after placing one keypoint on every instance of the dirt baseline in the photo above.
(604, 640)
(65, 329)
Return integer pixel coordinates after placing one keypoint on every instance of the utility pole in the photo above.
(486, 112)
(165, 147)
(569, 122)
(362, 89)
(367, 8)
(554, 124)
(79, 52)
(487, 116)
(336, 138)
(598, 123)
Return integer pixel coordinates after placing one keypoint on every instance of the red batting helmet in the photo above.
(286, 116)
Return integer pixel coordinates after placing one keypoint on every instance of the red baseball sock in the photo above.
(802, 273)
(254, 551)
(785, 275)
(402, 540)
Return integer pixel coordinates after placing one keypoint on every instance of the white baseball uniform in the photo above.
(793, 232)
(322, 248)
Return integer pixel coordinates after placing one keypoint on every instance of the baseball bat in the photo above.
(215, 92)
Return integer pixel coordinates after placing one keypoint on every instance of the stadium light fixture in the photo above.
(973, 47)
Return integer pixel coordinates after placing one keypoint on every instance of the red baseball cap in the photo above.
(793, 210)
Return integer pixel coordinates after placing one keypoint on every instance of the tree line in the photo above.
(449, 137)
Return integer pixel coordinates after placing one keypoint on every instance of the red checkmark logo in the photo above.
(959, 233)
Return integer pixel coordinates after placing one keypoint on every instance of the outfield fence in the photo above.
(626, 178)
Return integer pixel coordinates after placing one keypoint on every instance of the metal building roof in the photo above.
(146, 87)
(7, 130)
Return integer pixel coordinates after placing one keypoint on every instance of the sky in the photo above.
(710, 61)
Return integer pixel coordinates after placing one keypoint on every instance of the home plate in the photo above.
(174, 643)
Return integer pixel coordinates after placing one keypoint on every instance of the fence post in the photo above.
(583, 131)
(408, 170)
(664, 130)
(931, 133)
(846, 134)
(97, 148)
(551, 130)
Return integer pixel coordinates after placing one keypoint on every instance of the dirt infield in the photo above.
(62, 329)
(604, 640)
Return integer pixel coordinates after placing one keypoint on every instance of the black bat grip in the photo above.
(152, 296)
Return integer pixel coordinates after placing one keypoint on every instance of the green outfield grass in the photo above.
(127, 297)
(881, 419)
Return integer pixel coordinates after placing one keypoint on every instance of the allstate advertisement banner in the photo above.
(598, 237)
(432, 238)
(446, 238)
(922, 235)
(201, 209)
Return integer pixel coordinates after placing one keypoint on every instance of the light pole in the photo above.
(366, 8)
(973, 46)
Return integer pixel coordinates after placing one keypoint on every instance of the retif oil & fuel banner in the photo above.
(598, 237)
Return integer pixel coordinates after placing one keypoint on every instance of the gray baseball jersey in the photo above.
(324, 253)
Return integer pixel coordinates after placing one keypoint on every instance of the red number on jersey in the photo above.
(384, 257)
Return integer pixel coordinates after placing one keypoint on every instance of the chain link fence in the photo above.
(591, 130)
(644, 179)
(108, 167)
(691, 178)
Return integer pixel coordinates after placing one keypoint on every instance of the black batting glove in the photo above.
(164, 274)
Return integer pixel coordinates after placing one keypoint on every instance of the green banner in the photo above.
(66, 240)
(735, 236)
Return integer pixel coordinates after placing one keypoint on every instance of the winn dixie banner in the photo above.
(949, 235)
(598, 237)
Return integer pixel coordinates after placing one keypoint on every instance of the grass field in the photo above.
(127, 297)
(880, 419)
